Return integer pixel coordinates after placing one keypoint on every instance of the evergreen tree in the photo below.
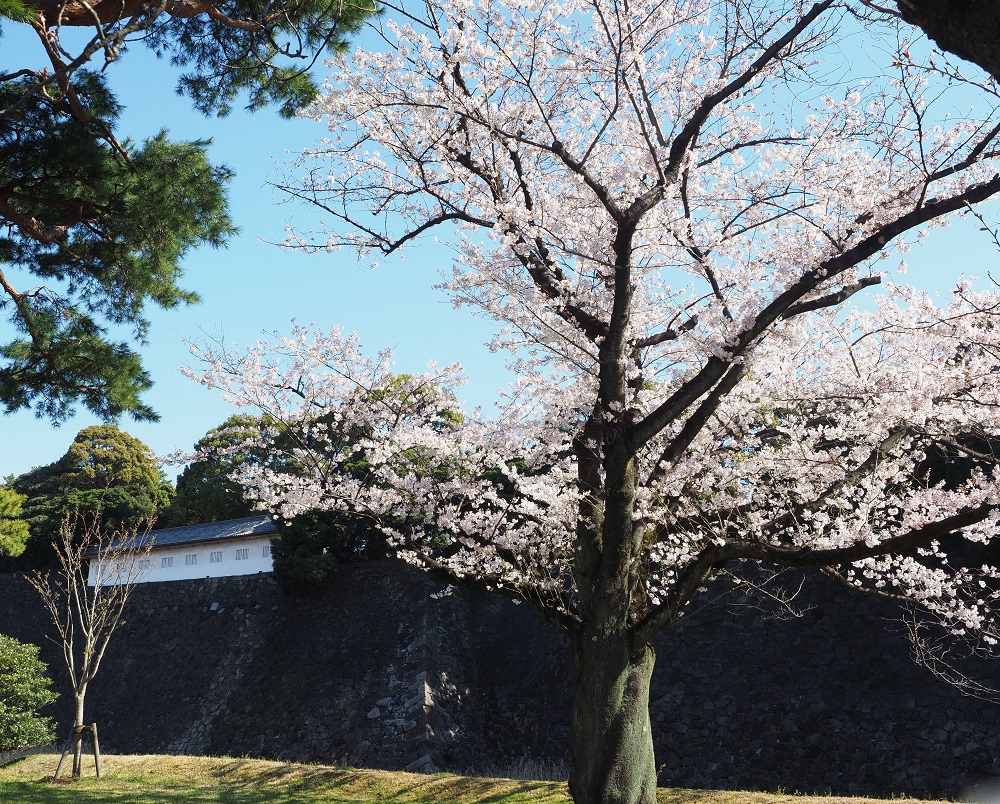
(101, 228)
(13, 529)
(24, 689)
(105, 472)
(206, 491)
(94, 228)
(314, 543)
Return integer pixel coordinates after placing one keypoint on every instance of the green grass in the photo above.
(214, 780)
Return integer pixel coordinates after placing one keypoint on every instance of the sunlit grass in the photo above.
(215, 780)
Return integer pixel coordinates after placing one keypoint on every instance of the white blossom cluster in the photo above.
(662, 208)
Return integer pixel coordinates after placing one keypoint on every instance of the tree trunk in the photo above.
(84, 14)
(78, 734)
(967, 29)
(612, 740)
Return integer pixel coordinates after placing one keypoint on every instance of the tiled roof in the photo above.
(260, 525)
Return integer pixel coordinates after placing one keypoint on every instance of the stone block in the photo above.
(421, 764)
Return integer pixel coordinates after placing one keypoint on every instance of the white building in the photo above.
(211, 550)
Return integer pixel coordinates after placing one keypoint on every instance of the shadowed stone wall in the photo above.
(389, 669)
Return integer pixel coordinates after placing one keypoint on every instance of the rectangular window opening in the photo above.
(191, 560)
(215, 558)
(242, 553)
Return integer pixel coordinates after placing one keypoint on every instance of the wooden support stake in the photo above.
(62, 759)
(97, 749)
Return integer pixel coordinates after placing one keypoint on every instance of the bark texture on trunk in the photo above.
(77, 13)
(967, 28)
(612, 740)
(78, 735)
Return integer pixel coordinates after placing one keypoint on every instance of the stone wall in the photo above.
(389, 669)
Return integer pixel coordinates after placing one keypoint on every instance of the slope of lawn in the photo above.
(215, 780)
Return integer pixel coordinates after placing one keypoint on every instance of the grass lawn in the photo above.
(215, 780)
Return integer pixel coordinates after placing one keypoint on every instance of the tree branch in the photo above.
(667, 334)
(681, 143)
(871, 245)
(834, 556)
(711, 558)
(696, 421)
(831, 299)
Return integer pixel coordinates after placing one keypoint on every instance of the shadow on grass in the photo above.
(484, 791)
(349, 785)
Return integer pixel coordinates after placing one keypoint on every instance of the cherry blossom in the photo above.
(668, 211)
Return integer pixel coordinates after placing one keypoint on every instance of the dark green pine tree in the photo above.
(94, 228)
(206, 491)
(106, 473)
(259, 50)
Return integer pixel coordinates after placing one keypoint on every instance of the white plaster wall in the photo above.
(170, 563)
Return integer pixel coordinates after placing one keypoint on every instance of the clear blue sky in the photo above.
(254, 287)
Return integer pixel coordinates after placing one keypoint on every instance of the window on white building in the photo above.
(267, 551)
(215, 558)
(191, 560)
(242, 553)
(166, 561)
(144, 564)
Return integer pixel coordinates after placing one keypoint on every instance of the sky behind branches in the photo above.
(255, 287)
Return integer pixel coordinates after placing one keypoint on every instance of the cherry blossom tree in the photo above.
(668, 208)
